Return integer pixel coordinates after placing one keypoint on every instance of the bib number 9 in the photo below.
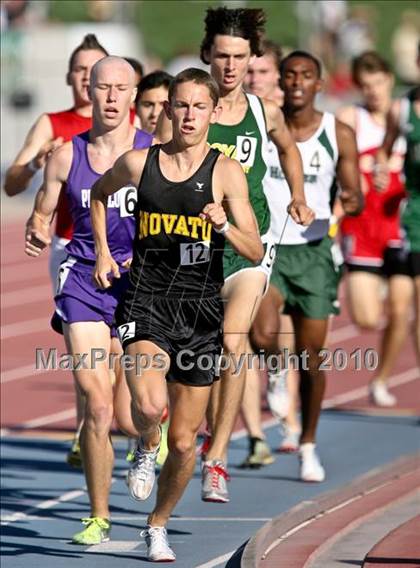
(269, 257)
(245, 150)
(194, 253)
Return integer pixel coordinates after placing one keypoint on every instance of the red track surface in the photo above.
(28, 394)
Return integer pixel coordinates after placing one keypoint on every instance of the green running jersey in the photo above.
(246, 142)
(410, 125)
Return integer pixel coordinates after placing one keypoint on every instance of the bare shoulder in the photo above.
(129, 167)
(41, 131)
(395, 109)
(134, 159)
(226, 166)
(273, 113)
(229, 178)
(347, 115)
(344, 132)
(63, 155)
(270, 107)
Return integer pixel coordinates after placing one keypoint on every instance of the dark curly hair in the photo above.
(369, 62)
(242, 22)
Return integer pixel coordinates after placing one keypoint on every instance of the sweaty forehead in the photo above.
(192, 91)
(265, 62)
(86, 57)
(300, 64)
(115, 72)
(231, 44)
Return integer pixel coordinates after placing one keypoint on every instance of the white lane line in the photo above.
(196, 519)
(123, 546)
(26, 296)
(28, 327)
(395, 380)
(172, 520)
(216, 561)
(361, 392)
(116, 546)
(22, 515)
(18, 373)
(355, 394)
(61, 416)
(342, 334)
(49, 419)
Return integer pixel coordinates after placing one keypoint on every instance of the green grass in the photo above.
(170, 27)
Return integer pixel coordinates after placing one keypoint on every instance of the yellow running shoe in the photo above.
(163, 451)
(97, 530)
(74, 456)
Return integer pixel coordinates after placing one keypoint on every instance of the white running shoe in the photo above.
(214, 478)
(141, 475)
(380, 395)
(158, 549)
(290, 442)
(277, 394)
(310, 466)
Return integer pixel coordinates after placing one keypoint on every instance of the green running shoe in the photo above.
(163, 451)
(259, 454)
(131, 450)
(97, 530)
(74, 456)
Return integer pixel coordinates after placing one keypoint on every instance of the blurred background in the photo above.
(38, 36)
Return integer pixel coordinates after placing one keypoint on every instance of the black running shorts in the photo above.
(189, 330)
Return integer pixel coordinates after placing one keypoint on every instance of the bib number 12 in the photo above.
(195, 253)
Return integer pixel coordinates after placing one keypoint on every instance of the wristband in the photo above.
(32, 167)
(223, 229)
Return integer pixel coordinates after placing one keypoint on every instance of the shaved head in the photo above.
(116, 65)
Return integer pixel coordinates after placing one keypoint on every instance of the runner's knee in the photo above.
(368, 320)
(182, 443)
(99, 415)
(264, 337)
(235, 343)
(149, 407)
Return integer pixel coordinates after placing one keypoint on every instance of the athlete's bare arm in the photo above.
(347, 170)
(126, 170)
(348, 116)
(39, 144)
(230, 186)
(56, 173)
(291, 163)
(381, 177)
(163, 128)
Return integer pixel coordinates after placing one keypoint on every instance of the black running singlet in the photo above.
(175, 252)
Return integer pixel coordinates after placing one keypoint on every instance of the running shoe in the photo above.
(380, 395)
(277, 394)
(141, 475)
(74, 456)
(131, 450)
(163, 451)
(97, 530)
(259, 454)
(310, 465)
(290, 442)
(204, 448)
(158, 549)
(214, 478)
